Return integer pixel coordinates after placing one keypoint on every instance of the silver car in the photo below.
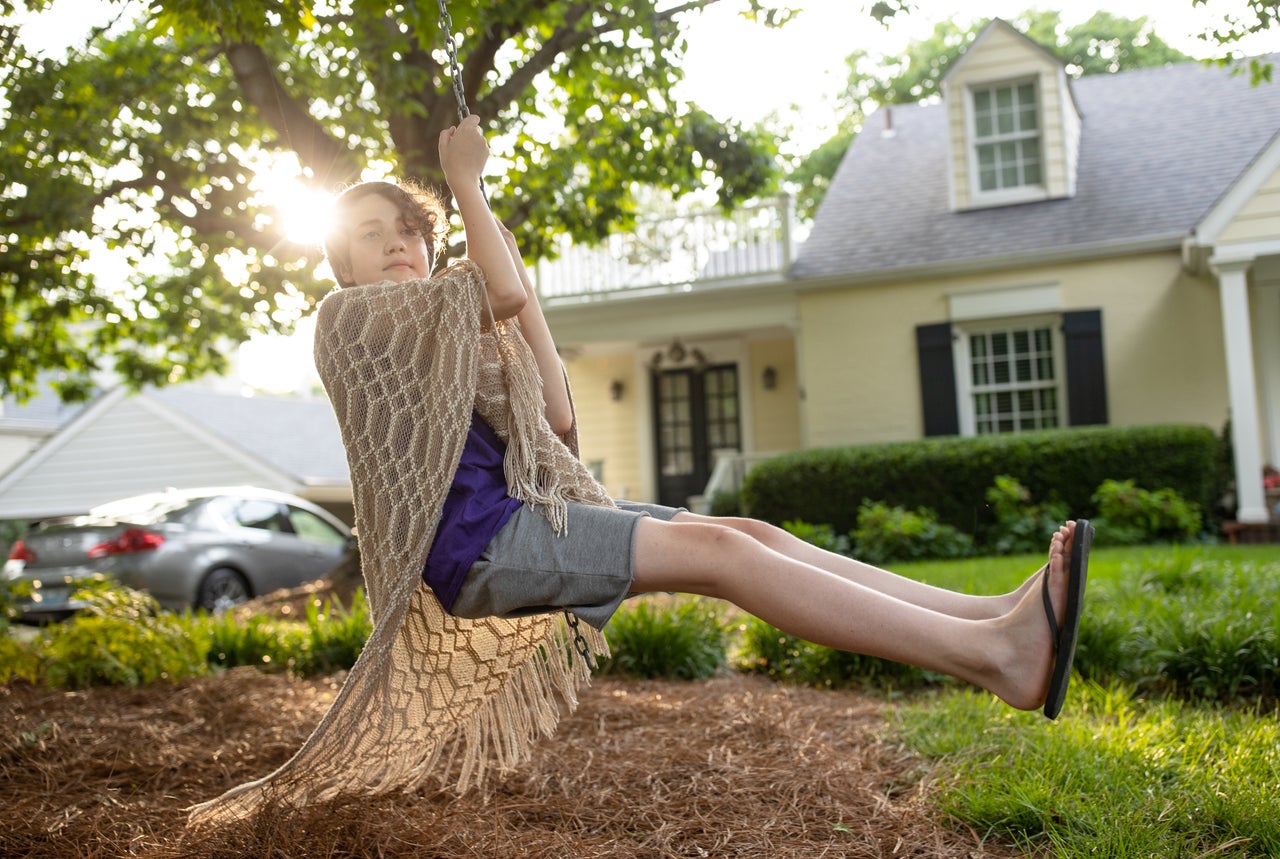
(194, 548)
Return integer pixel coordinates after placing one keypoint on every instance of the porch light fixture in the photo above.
(769, 378)
(615, 390)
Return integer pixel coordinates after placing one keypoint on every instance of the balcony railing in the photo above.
(753, 243)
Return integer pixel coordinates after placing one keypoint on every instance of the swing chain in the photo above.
(579, 642)
(455, 72)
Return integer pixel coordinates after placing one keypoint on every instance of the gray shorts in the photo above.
(529, 569)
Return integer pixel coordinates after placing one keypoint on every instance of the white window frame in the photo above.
(1020, 193)
(965, 390)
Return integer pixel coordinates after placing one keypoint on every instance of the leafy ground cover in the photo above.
(734, 766)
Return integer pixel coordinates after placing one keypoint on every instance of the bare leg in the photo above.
(972, 607)
(1010, 656)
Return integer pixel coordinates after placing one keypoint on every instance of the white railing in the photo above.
(664, 254)
(727, 475)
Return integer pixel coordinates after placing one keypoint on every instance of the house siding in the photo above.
(776, 416)
(609, 431)
(1259, 218)
(1162, 342)
(102, 464)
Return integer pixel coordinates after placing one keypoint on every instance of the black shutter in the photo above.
(937, 379)
(1086, 378)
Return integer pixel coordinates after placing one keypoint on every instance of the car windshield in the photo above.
(144, 509)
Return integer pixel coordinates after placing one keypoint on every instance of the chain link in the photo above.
(455, 71)
(579, 642)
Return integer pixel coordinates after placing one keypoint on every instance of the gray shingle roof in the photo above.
(1158, 148)
(298, 437)
(44, 411)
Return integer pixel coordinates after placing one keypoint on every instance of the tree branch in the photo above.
(329, 159)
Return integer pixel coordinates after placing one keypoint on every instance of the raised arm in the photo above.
(463, 154)
(533, 326)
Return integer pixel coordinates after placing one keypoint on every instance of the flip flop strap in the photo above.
(1048, 608)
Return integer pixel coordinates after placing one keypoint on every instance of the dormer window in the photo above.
(1006, 138)
(1014, 129)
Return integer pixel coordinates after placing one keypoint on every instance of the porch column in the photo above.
(1233, 288)
(1267, 313)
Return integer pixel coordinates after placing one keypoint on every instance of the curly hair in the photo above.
(421, 208)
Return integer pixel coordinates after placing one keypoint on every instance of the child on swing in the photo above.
(478, 522)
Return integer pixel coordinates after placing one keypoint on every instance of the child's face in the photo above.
(380, 246)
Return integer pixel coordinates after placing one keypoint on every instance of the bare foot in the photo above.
(1025, 657)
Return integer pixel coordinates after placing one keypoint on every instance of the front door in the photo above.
(696, 413)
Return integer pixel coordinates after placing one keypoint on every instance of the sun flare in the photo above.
(305, 213)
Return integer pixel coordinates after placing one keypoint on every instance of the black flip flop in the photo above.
(1064, 638)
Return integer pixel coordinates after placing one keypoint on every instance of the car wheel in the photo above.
(222, 589)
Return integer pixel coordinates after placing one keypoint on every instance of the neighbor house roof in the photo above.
(44, 411)
(1158, 148)
(297, 436)
(124, 444)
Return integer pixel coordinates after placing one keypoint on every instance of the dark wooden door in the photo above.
(695, 414)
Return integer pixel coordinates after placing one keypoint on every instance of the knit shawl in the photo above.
(404, 366)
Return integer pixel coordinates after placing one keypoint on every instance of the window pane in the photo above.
(1004, 98)
(1012, 374)
(1027, 119)
(1004, 122)
(1023, 369)
(982, 125)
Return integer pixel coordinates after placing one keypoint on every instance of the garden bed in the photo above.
(731, 767)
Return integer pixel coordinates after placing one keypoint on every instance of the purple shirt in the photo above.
(475, 509)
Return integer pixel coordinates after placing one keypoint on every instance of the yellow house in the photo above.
(1031, 251)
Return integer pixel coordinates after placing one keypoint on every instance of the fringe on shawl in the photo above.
(528, 479)
(500, 735)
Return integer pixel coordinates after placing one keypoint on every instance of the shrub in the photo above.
(329, 639)
(335, 637)
(780, 656)
(682, 639)
(726, 503)
(822, 536)
(1130, 514)
(950, 476)
(120, 639)
(18, 660)
(259, 641)
(1021, 527)
(887, 533)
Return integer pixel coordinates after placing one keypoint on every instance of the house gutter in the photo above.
(943, 268)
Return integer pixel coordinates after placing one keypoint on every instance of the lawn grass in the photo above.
(1118, 776)
(1154, 764)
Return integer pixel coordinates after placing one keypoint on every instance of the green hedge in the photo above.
(951, 475)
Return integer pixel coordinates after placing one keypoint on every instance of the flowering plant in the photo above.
(1270, 478)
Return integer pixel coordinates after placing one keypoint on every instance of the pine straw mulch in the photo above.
(732, 767)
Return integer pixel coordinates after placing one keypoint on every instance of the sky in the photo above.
(741, 71)
(804, 61)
